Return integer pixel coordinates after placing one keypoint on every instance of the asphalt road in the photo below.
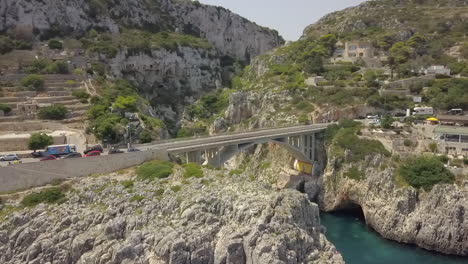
(206, 142)
(236, 138)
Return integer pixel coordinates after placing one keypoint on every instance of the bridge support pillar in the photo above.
(193, 157)
(212, 157)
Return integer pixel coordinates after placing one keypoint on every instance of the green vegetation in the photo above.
(55, 44)
(121, 96)
(138, 41)
(125, 104)
(137, 198)
(81, 94)
(154, 170)
(53, 112)
(127, 184)
(355, 174)
(8, 44)
(50, 196)
(145, 137)
(176, 188)
(447, 94)
(192, 170)
(46, 66)
(210, 104)
(5, 108)
(33, 81)
(342, 138)
(424, 172)
(39, 141)
(236, 172)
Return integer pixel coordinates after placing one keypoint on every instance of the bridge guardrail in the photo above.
(224, 134)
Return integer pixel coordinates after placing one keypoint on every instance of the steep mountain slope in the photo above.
(226, 31)
(400, 17)
(171, 51)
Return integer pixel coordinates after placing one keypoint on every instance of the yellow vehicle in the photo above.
(304, 167)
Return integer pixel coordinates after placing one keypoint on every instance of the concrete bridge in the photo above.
(300, 141)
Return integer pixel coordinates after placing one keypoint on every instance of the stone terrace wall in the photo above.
(25, 176)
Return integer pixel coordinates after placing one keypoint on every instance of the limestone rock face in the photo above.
(216, 219)
(434, 220)
(170, 79)
(231, 34)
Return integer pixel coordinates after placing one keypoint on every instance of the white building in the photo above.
(437, 69)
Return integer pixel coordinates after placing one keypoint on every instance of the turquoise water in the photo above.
(359, 244)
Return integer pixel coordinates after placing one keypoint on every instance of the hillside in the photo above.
(399, 43)
(151, 58)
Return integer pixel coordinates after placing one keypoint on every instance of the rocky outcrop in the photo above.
(231, 34)
(435, 220)
(170, 80)
(219, 218)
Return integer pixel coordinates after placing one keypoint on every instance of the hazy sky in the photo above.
(289, 17)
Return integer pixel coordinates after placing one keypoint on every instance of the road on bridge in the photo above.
(208, 142)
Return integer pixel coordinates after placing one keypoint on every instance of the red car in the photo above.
(93, 153)
(49, 157)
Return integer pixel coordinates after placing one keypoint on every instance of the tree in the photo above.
(425, 172)
(53, 112)
(33, 81)
(145, 137)
(329, 41)
(39, 141)
(419, 43)
(125, 103)
(401, 52)
(55, 44)
(6, 45)
(387, 122)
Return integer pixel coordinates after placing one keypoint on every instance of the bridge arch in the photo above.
(301, 147)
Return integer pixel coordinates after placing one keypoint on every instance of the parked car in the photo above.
(9, 157)
(93, 153)
(133, 150)
(94, 148)
(48, 157)
(115, 151)
(38, 154)
(72, 155)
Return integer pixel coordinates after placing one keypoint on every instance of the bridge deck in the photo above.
(259, 136)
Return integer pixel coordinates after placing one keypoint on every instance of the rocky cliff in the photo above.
(220, 218)
(434, 220)
(231, 34)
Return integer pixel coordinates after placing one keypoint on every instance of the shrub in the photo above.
(145, 137)
(303, 119)
(51, 195)
(408, 143)
(424, 172)
(127, 184)
(192, 170)
(54, 112)
(55, 44)
(433, 147)
(355, 174)
(444, 159)
(137, 198)
(5, 108)
(39, 141)
(6, 45)
(81, 94)
(154, 170)
(125, 103)
(59, 67)
(235, 172)
(465, 161)
(33, 81)
(176, 188)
